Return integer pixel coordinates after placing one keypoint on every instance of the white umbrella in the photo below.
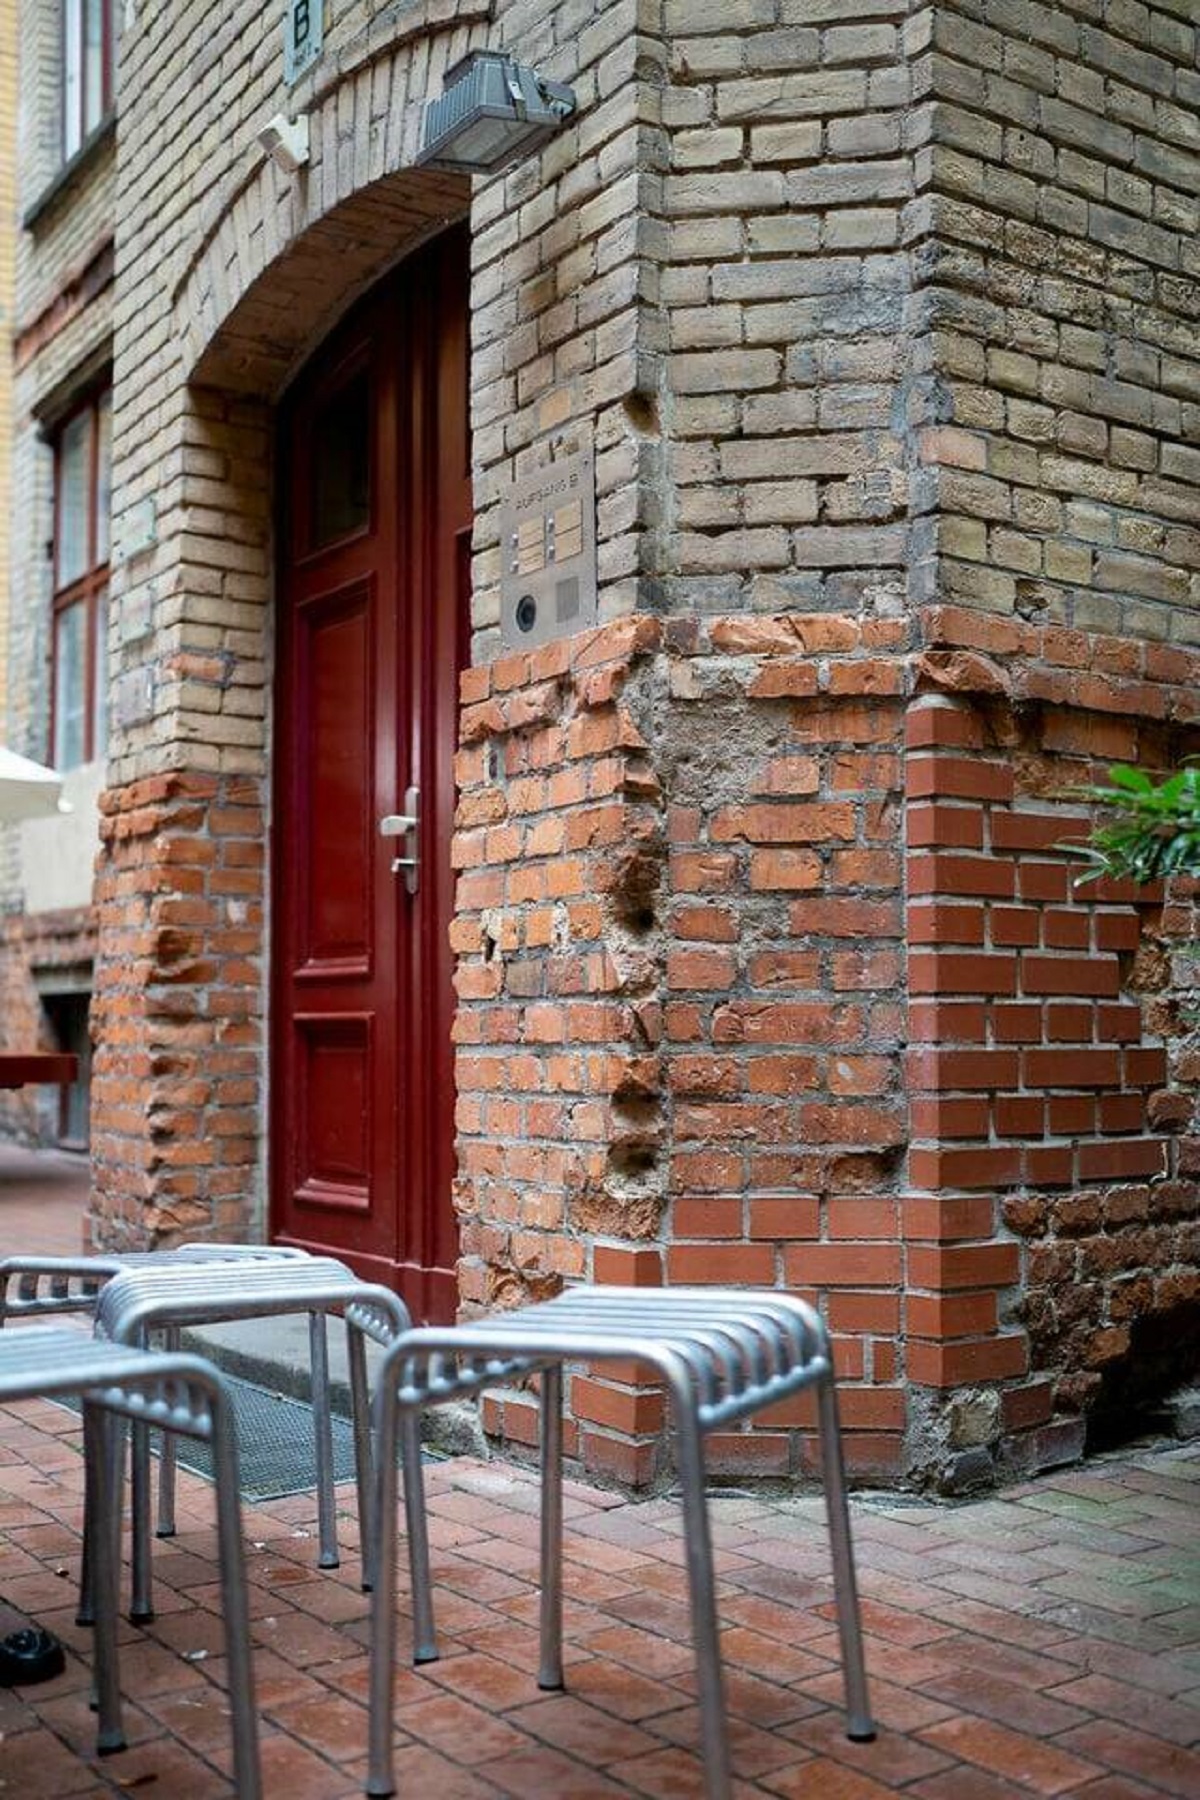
(27, 790)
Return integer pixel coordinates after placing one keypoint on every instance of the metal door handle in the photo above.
(406, 825)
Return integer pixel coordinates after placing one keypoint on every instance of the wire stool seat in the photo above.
(37, 1287)
(723, 1356)
(40, 1287)
(138, 1302)
(118, 1383)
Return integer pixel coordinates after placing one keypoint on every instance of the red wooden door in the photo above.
(372, 631)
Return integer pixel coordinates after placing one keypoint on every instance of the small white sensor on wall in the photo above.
(286, 141)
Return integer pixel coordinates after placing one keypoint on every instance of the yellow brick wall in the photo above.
(62, 324)
(56, 226)
(8, 158)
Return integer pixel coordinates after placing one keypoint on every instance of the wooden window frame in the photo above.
(93, 583)
(85, 129)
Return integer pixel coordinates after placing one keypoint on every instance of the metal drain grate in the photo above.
(275, 1444)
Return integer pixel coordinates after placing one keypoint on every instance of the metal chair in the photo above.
(175, 1394)
(723, 1356)
(39, 1287)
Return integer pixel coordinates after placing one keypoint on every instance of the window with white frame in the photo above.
(87, 69)
(79, 687)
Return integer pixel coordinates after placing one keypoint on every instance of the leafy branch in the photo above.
(1153, 828)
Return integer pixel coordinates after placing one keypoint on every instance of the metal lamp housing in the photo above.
(492, 112)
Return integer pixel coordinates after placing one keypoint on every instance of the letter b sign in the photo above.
(303, 32)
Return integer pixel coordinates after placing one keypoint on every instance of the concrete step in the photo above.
(273, 1353)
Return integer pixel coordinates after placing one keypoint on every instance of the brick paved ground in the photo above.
(1047, 1642)
(43, 1198)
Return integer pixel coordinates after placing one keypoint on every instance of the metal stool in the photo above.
(45, 1286)
(174, 1394)
(140, 1301)
(38, 1287)
(723, 1356)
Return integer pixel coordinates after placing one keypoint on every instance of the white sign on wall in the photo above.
(303, 36)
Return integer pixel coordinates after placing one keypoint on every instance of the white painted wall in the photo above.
(58, 856)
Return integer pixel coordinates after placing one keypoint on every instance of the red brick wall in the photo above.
(681, 1038)
(562, 851)
(835, 1018)
(178, 1012)
(1058, 1217)
(785, 1018)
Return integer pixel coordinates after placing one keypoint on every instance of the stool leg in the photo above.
(689, 1459)
(101, 1531)
(85, 1611)
(166, 1460)
(380, 1768)
(550, 1671)
(859, 1724)
(424, 1635)
(141, 1607)
(360, 1404)
(323, 1435)
(234, 1602)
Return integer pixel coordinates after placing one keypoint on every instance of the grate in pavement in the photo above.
(275, 1444)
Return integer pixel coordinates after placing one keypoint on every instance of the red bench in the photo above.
(37, 1066)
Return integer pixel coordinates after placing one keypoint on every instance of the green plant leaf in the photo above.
(1152, 828)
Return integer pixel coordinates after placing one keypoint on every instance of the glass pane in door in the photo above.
(341, 463)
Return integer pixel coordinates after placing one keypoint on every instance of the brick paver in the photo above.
(1042, 1643)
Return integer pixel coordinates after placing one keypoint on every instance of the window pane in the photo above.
(93, 65)
(74, 480)
(341, 463)
(72, 75)
(100, 677)
(70, 685)
(103, 479)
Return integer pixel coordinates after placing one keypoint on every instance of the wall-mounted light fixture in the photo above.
(492, 112)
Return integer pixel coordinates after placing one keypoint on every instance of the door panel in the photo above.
(335, 1081)
(334, 662)
(373, 598)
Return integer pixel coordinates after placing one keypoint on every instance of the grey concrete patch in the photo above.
(273, 1354)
